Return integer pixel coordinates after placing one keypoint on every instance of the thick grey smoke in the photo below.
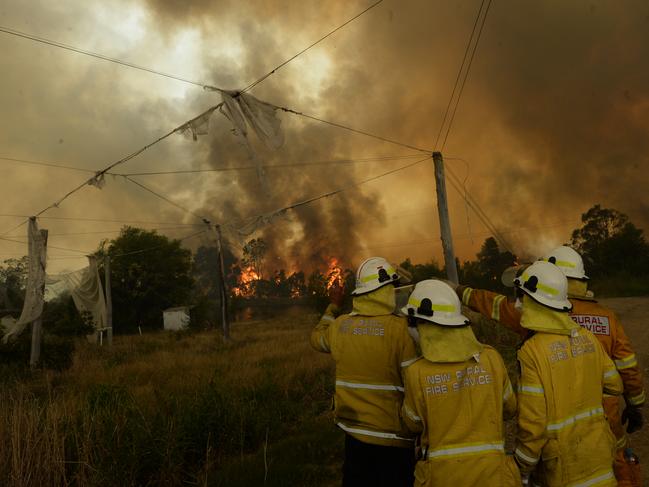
(553, 119)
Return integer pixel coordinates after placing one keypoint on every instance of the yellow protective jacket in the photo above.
(561, 420)
(370, 353)
(599, 320)
(457, 408)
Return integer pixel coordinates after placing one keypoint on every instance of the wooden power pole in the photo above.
(37, 324)
(109, 301)
(223, 290)
(444, 222)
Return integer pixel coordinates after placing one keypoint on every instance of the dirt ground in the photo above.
(634, 314)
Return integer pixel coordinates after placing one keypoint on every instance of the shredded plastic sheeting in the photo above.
(197, 126)
(98, 181)
(88, 293)
(245, 111)
(33, 307)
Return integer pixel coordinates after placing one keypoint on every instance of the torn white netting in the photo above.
(33, 307)
(243, 110)
(197, 126)
(88, 293)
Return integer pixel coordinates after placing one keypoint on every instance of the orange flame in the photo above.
(246, 282)
(334, 273)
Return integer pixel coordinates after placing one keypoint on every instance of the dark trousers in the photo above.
(377, 466)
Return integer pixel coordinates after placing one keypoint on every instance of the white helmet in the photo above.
(569, 261)
(435, 301)
(374, 273)
(546, 284)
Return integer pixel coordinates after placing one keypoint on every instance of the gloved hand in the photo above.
(632, 414)
(337, 294)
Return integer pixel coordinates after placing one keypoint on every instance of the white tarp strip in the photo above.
(87, 292)
(33, 307)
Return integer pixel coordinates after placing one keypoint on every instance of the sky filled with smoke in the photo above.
(554, 118)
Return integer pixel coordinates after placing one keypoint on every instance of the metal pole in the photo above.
(225, 319)
(109, 301)
(444, 222)
(37, 325)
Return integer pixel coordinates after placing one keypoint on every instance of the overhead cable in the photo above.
(351, 129)
(100, 174)
(466, 74)
(46, 164)
(327, 194)
(274, 70)
(459, 73)
(219, 169)
(103, 57)
(102, 220)
(164, 198)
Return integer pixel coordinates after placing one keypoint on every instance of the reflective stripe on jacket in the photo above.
(370, 353)
(560, 415)
(457, 409)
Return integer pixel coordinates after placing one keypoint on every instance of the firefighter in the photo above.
(606, 327)
(456, 396)
(370, 346)
(564, 372)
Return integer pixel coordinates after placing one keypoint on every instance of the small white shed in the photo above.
(176, 318)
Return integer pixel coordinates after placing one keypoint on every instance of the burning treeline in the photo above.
(251, 284)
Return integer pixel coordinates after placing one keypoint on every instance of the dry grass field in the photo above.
(177, 409)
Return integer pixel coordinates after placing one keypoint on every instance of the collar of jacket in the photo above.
(541, 318)
(448, 344)
(375, 303)
(579, 290)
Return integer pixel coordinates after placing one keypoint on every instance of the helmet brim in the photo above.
(359, 291)
(459, 320)
(561, 305)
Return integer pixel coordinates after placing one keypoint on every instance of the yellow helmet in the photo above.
(569, 261)
(435, 301)
(545, 283)
(373, 274)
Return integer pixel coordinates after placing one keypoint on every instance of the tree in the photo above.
(486, 271)
(13, 281)
(253, 255)
(421, 272)
(610, 244)
(149, 273)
